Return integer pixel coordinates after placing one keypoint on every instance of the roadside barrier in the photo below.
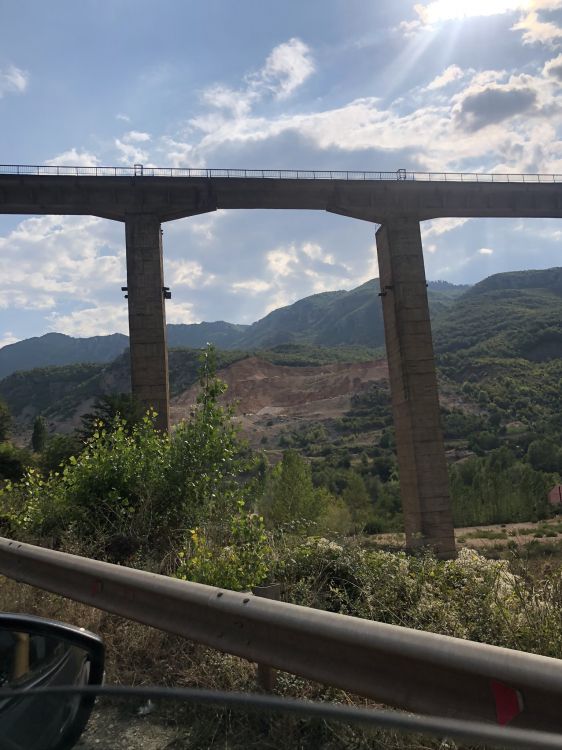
(400, 667)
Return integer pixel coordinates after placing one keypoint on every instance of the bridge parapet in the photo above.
(139, 170)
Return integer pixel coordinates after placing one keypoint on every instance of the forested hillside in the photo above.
(327, 319)
(499, 356)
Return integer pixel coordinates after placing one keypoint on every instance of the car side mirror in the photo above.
(39, 653)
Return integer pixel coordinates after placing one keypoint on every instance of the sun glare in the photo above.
(449, 10)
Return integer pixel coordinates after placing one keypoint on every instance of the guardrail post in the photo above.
(266, 675)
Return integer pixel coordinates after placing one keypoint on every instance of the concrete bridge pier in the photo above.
(424, 484)
(147, 315)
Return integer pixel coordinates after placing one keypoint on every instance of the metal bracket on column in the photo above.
(383, 294)
(166, 292)
(125, 289)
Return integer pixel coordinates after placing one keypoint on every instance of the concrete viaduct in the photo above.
(143, 198)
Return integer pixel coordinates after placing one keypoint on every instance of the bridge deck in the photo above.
(114, 192)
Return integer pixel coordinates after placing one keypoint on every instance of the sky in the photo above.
(436, 85)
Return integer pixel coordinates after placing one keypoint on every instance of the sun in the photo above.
(449, 10)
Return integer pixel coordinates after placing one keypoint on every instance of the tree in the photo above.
(140, 490)
(58, 450)
(39, 436)
(122, 405)
(544, 455)
(5, 421)
(356, 497)
(291, 501)
(13, 461)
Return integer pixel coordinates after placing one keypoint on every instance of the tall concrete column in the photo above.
(424, 484)
(147, 315)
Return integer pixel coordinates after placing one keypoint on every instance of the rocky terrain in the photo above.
(273, 399)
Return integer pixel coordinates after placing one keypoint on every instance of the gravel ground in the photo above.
(120, 728)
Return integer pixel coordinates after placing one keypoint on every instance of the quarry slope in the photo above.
(273, 398)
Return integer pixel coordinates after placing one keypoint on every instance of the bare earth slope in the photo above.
(274, 395)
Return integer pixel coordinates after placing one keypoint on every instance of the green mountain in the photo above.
(327, 319)
(506, 315)
(336, 318)
(58, 349)
(498, 346)
(196, 335)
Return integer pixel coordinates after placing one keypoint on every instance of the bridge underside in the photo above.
(143, 203)
(171, 198)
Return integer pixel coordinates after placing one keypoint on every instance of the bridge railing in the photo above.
(139, 170)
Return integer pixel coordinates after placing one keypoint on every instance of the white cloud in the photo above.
(294, 270)
(253, 286)
(436, 227)
(287, 67)
(13, 80)
(180, 153)
(204, 229)
(46, 260)
(23, 300)
(553, 68)
(486, 251)
(438, 11)
(223, 97)
(536, 31)
(131, 154)
(124, 118)
(322, 282)
(313, 250)
(8, 338)
(180, 312)
(496, 122)
(74, 158)
(371, 268)
(100, 320)
(187, 273)
(450, 74)
(134, 136)
(283, 260)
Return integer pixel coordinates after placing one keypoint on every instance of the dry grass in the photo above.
(140, 655)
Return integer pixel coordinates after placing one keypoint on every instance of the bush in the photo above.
(291, 502)
(498, 489)
(134, 488)
(236, 559)
(5, 421)
(485, 601)
(58, 450)
(13, 461)
(39, 436)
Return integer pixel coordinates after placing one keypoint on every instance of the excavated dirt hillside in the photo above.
(278, 396)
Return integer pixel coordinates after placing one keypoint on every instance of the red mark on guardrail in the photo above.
(509, 702)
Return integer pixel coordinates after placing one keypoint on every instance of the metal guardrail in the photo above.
(417, 671)
(139, 170)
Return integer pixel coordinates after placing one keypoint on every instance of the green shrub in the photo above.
(485, 601)
(291, 503)
(235, 557)
(5, 421)
(13, 461)
(39, 436)
(58, 450)
(140, 486)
